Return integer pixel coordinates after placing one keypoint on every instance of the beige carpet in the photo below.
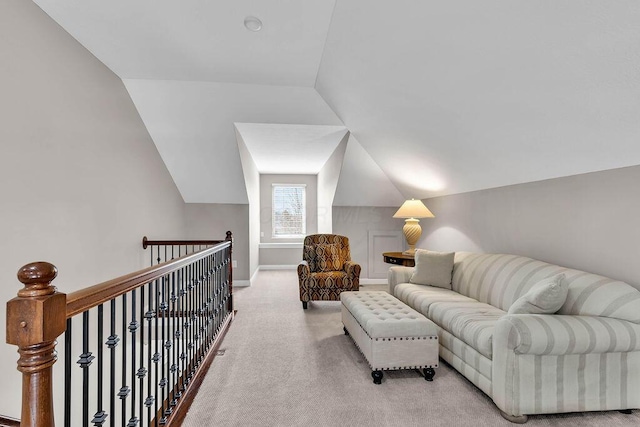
(284, 366)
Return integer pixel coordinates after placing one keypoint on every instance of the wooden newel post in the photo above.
(35, 318)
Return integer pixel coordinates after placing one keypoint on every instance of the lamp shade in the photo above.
(413, 209)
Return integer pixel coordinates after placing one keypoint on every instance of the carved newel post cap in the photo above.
(37, 278)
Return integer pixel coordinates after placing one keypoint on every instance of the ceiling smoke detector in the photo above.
(252, 23)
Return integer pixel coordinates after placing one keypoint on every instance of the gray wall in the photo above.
(212, 220)
(355, 222)
(80, 179)
(588, 222)
(281, 257)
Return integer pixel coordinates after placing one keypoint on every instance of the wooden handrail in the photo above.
(146, 242)
(38, 316)
(93, 296)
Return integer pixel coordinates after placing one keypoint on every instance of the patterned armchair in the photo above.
(326, 268)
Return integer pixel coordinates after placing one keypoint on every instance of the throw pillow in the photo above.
(310, 256)
(328, 258)
(433, 268)
(545, 297)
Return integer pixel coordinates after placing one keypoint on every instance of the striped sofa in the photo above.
(586, 357)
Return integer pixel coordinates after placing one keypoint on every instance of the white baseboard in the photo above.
(245, 283)
(373, 281)
(241, 283)
(278, 267)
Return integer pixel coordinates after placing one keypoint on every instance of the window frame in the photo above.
(303, 219)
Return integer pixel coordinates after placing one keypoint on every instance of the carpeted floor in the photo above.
(285, 366)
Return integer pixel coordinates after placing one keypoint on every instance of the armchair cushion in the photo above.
(328, 258)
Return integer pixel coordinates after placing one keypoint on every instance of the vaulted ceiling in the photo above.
(439, 97)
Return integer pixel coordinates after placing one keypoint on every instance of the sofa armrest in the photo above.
(554, 334)
(397, 275)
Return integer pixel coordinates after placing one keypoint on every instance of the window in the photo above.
(288, 212)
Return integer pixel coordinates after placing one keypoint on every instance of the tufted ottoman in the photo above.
(390, 334)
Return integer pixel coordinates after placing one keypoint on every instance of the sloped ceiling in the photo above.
(192, 124)
(290, 149)
(443, 97)
(455, 96)
(201, 40)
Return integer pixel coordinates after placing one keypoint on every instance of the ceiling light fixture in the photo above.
(252, 23)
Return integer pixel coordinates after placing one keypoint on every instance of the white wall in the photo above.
(80, 179)
(212, 220)
(252, 186)
(355, 222)
(588, 222)
(327, 183)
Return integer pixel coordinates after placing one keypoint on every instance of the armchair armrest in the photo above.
(397, 275)
(352, 269)
(554, 334)
(303, 270)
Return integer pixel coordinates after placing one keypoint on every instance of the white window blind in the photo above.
(288, 210)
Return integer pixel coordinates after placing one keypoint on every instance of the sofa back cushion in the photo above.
(499, 280)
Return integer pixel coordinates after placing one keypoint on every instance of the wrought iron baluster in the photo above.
(85, 360)
(124, 390)
(190, 321)
(67, 375)
(100, 416)
(133, 328)
(157, 356)
(175, 338)
(149, 316)
(181, 309)
(112, 342)
(142, 371)
(166, 346)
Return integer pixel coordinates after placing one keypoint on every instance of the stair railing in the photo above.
(148, 337)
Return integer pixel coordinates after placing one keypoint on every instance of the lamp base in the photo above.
(410, 252)
(412, 232)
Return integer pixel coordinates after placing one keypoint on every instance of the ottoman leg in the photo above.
(377, 377)
(304, 305)
(345, 330)
(429, 373)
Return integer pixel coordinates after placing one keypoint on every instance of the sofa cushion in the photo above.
(433, 268)
(593, 295)
(420, 297)
(545, 297)
(328, 257)
(498, 279)
(471, 322)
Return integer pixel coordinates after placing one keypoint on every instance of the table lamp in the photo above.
(412, 210)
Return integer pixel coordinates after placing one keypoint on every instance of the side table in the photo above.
(397, 258)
